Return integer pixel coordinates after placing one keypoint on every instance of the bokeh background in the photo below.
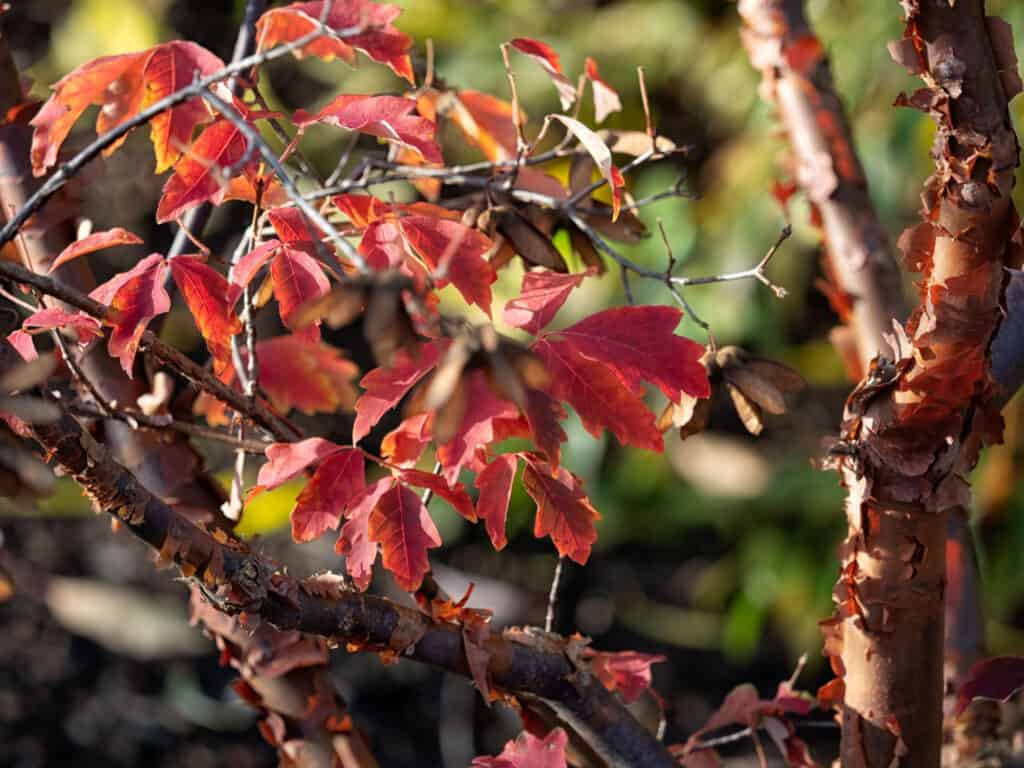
(718, 554)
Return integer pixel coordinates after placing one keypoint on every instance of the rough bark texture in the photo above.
(780, 40)
(902, 456)
(797, 79)
(525, 665)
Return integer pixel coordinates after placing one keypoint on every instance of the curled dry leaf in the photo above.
(754, 385)
(549, 61)
(606, 99)
(602, 157)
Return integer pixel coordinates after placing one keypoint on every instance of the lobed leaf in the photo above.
(286, 460)
(46, 319)
(402, 526)
(171, 67)
(627, 672)
(542, 294)
(495, 486)
(385, 387)
(198, 177)
(528, 751)
(210, 299)
(563, 510)
(134, 298)
(338, 481)
(355, 542)
(602, 156)
(114, 83)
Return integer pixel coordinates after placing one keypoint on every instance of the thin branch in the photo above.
(556, 578)
(137, 419)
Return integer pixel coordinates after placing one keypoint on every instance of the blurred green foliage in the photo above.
(771, 564)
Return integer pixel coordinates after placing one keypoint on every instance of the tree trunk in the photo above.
(901, 442)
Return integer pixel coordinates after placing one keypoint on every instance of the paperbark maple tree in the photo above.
(331, 252)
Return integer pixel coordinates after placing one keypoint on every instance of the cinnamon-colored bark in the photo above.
(798, 80)
(902, 458)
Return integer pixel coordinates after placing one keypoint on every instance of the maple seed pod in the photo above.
(756, 385)
(530, 243)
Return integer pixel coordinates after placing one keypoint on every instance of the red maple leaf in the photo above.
(386, 117)
(455, 253)
(122, 86)
(298, 278)
(360, 25)
(112, 82)
(598, 364)
(385, 387)
(245, 270)
(308, 375)
(338, 480)
(355, 543)
(294, 373)
(46, 319)
(454, 493)
(171, 67)
(199, 175)
(210, 299)
(424, 235)
(563, 510)
(600, 396)
(480, 426)
(95, 242)
(528, 751)
(135, 297)
(287, 460)
(543, 414)
(402, 526)
(542, 294)
(404, 445)
(495, 486)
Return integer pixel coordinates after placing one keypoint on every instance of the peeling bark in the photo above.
(798, 80)
(902, 456)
